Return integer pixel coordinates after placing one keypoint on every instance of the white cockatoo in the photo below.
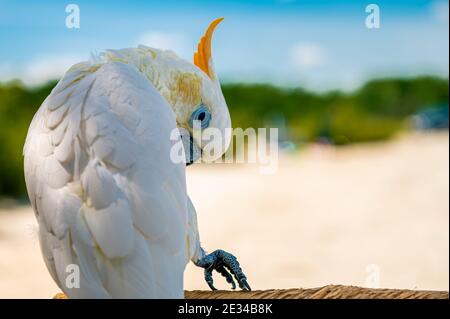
(114, 217)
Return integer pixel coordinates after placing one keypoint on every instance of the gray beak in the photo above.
(191, 150)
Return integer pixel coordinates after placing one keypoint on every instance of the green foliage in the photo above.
(401, 97)
(17, 107)
(374, 112)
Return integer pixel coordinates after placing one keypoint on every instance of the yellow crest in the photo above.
(202, 57)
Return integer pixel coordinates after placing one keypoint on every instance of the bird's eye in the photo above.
(201, 114)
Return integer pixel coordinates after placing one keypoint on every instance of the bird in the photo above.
(114, 216)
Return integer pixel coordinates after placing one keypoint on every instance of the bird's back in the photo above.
(107, 196)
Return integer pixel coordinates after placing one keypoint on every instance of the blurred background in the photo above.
(360, 196)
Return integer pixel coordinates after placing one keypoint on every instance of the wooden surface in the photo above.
(326, 292)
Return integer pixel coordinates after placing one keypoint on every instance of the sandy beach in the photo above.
(366, 215)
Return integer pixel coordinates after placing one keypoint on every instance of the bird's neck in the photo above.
(177, 80)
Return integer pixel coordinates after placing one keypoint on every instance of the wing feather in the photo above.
(105, 192)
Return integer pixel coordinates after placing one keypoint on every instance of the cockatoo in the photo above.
(110, 201)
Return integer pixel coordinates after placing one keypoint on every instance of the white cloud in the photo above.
(307, 55)
(47, 67)
(41, 69)
(176, 42)
(439, 9)
(5, 71)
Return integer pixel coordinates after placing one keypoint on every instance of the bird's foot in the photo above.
(227, 265)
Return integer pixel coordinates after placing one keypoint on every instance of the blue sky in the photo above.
(319, 45)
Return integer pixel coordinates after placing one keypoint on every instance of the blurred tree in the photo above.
(374, 112)
(17, 107)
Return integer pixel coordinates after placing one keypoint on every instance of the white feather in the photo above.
(106, 194)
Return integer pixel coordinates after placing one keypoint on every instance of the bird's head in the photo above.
(197, 100)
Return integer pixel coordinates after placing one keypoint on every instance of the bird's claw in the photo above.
(227, 265)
